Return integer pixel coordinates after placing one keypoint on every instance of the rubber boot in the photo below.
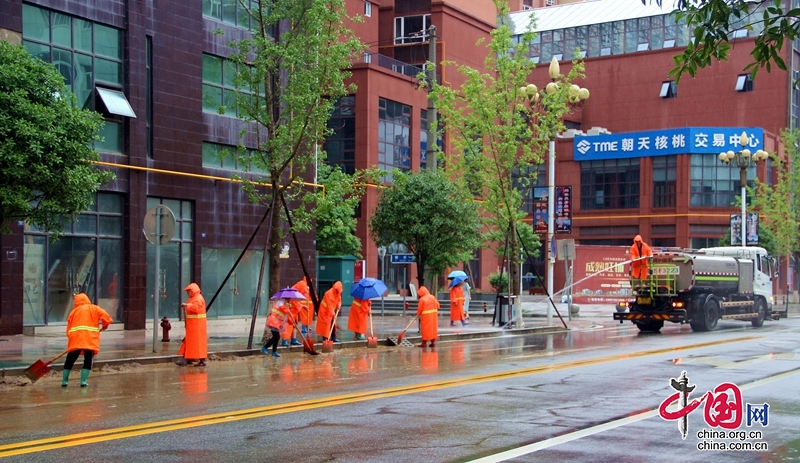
(424, 344)
(84, 377)
(433, 344)
(284, 343)
(65, 378)
(295, 342)
(264, 350)
(304, 330)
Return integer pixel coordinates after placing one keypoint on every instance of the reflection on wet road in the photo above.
(396, 404)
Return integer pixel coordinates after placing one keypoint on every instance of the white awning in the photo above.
(115, 102)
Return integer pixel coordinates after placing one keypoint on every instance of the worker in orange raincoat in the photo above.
(305, 308)
(328, 310)
(276, 322)
(195, 343)
(288, 331)
(457, 305)
(84, 325)
(640, 251)
(357, 320)
(428, 313)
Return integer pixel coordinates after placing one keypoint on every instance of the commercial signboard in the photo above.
(752, 229)
(684, 140)
(601, 275)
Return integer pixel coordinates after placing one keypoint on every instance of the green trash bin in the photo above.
(331, 269)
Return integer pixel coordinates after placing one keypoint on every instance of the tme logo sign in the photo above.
(584, 146)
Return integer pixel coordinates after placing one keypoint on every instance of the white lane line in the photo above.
(553, 441)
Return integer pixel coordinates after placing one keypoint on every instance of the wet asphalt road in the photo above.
(583, 396)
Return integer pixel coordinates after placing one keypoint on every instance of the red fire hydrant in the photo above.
(405, 309)
(165, 327)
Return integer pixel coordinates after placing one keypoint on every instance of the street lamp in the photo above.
(743, 159)
(576, 98)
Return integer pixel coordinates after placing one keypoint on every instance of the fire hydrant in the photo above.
(405, 309)
(165, 327)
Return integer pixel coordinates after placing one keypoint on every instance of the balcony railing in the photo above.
(411, 70)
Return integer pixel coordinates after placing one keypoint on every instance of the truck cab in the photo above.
(763, 266)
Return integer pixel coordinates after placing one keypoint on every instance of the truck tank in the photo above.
(682, 272)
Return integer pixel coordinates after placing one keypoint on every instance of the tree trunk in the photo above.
(513, 261)
(275, 249)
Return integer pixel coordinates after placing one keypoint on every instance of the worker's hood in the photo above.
(423, 291)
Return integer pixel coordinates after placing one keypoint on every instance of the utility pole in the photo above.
(430, 68)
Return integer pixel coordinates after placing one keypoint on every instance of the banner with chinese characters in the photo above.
(600, 275)
(540, 210)
(684, 140)
(563, 216)
(752, 229)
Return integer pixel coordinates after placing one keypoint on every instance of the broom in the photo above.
(372, 341)
(403, 333)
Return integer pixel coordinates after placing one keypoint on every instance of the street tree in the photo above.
(289, 75)
(436, 219)
(778, 209)
(713, 23)
(503, 126)
(333, 208)
(46, 173)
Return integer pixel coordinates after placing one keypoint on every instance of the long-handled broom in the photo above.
(308, 343)
(403, 333)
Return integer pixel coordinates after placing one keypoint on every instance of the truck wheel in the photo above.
(650, 326)
(761, 309)
(710, 315)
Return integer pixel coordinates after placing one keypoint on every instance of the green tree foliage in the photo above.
(290, 73)
(335, 210)
(779, 212)
(46, 174)
(713, 23)
(432, 216)
(503, 127)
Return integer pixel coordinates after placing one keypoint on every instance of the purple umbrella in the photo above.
(288, 293)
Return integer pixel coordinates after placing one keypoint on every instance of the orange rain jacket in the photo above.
(277, 317)
(639, 268)
(428, 312)
(195, 344)
(457, 303)
(330, 305)
(359, 311)
(305, 309)
(83, 324)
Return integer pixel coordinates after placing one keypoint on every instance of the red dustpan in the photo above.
(308, 343)
(39, 368)
(372, 341)
(327, 346)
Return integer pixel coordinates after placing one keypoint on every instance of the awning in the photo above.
(115, 102)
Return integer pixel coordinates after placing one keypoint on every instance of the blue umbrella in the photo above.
(288, 293)
(368, 288)
(457, 279)
(457, 273)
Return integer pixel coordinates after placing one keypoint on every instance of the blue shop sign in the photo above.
(686, 140)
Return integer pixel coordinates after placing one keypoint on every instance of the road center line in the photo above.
(103, 435)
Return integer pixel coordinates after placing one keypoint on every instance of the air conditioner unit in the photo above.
(549, 2)
(527, 8)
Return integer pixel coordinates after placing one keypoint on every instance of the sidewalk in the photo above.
(227, 339)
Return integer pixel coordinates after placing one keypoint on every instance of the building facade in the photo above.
(158, 73)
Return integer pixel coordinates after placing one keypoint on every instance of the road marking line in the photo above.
(103, 435)
(564, 438)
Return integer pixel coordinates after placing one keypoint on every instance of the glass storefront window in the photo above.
(175, 266)
(238, 295)
(80, 261)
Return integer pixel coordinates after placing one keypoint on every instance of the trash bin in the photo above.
(503, 308)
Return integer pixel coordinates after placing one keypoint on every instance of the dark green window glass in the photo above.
(38, 50)
(62, 30)
(62, 60)
(35, 23)
(212, 98)
(212, 69)
(108, 71)
(107, 41)
(82, 35)
(84, 80)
